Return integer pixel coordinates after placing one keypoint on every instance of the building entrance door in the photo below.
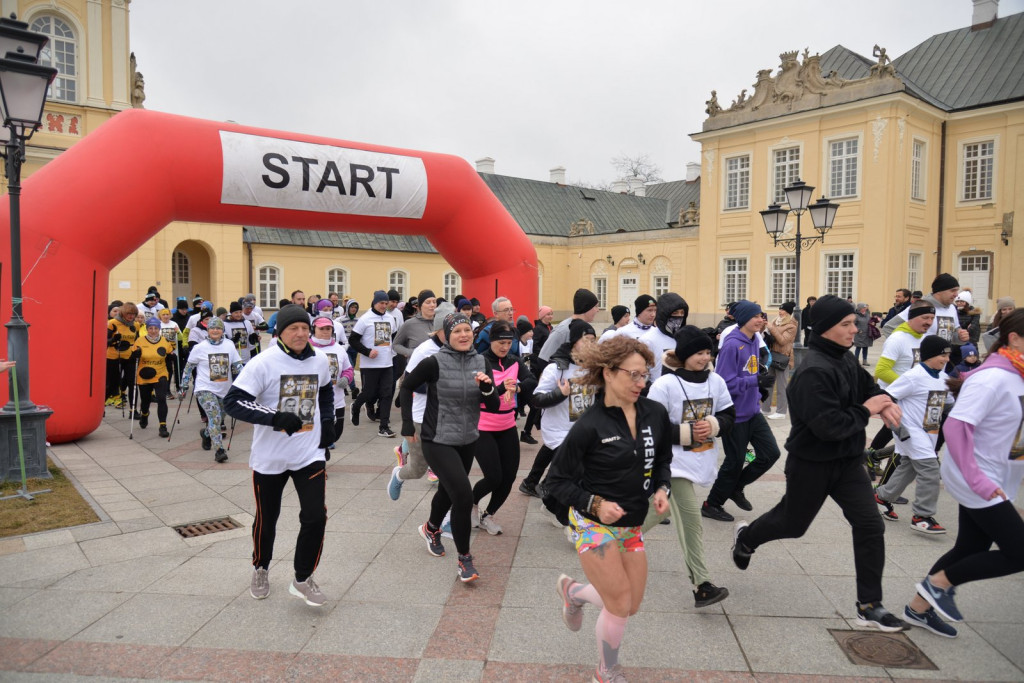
(628, 290)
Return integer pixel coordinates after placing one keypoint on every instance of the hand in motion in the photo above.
(289, 423)
(875, 404)
(998, 493)
(660, 500)
(611, 511)
(891, 415)
(482, 378)
(701, 431)
(565, 387)
(6, 365)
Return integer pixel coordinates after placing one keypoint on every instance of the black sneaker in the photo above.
(433, 539)
(467, 572)
(386, 433)
(207, 441)
(900, 501)
(740, 553)
(143, 420)
(355, 417)
(873, 615)
(374, 417)
(715, 512)
(741, 501)
(526, 437)
(528, 489)
(929, 620)
(221, 455)
(163, 431)
(708, 594)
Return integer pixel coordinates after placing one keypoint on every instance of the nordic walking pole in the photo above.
(135, 395)
(176, 413)
(232, 434)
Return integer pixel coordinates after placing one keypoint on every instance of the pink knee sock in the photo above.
(585, 592)
(610, 629)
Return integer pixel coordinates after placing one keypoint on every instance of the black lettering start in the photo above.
(267, 162)
(359, 175)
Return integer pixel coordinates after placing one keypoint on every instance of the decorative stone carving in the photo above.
(661, 266)
(581, 227)
(599, 268)
(690, 215)
(63, 124)
(138, 86)
(799, 86)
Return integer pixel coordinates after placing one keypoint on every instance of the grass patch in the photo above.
(62, 507)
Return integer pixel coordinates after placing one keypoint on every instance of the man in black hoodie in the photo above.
(831, 399)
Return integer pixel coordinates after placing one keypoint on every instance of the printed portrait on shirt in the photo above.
(917, 357)
(298, 396)
(170, 334)
(332, 359)
(944, 327)
(1017, 449)
(218, 367)
(581, 397)
(381, 333)
(694, 410)
(933, 411)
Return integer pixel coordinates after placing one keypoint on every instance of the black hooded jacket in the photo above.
(668, 304)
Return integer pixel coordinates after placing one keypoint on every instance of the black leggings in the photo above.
(540, 463)
(268, 489)
(498, 456)
(882, 438)
(339, 422)
(146, 392)
(451, 465)
(971, 557)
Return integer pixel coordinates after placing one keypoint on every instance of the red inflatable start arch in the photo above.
(102, 199)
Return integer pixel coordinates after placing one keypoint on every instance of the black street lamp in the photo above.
(823, 213)
(23, 87)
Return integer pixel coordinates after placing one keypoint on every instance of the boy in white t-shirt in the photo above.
(922, 395)
(286, 392)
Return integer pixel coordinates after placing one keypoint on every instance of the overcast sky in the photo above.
(532, 83)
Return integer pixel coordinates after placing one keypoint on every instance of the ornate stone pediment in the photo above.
(581, 227)
(799, 86)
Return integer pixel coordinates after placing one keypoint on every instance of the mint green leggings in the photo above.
(684, 507)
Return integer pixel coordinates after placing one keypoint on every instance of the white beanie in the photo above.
(965, 295)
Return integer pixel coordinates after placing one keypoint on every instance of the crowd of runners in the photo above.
(634, 422)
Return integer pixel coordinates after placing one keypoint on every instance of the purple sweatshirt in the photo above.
(737, 365)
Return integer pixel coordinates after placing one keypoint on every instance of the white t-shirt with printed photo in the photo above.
(338, 362)
(376, 332)
(213, 365)
(904, 350)
(992, 400)
(559, 418)
(946, 323)
(282, 383)
(921, 398)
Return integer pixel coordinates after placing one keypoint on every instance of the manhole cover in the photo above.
(867, 648)
(210, 526)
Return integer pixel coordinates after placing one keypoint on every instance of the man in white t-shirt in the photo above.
(646, 311)
(371, 338)
(288, 443)
(945, 287)
(394, 298)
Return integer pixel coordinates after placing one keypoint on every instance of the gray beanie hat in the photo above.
(442, 311)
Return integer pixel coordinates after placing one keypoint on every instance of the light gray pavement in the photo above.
(128, 599)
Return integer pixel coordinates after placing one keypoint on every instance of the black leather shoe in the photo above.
(741, 501)
(715, 512)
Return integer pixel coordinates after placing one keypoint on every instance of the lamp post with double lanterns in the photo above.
(823, 214)
(23, 86)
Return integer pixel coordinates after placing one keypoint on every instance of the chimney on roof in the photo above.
(620, 186)
(636, 186)
(692, 171)
(558, 175)
(485, 165)
(984, 14)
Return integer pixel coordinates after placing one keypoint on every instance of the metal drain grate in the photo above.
(210, 526)
(866, 648)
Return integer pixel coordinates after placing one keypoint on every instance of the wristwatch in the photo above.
(667, 489)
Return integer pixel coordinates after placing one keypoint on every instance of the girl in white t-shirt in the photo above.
(342, 374)
(216, 363)
(699, 408)
(985, 437)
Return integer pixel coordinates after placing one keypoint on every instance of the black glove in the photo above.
(254, 338)
(136, 354)
(326, 433)
(289, 423)
(236, 336)
(262, 327)
(114, 340)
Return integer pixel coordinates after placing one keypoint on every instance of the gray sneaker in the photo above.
(259, 587)
(308, 591)
(488, 524)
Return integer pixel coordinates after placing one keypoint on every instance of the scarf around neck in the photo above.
(1016, 358)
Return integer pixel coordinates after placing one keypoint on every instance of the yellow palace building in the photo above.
(920, 151)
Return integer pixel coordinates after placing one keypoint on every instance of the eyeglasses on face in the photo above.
(506, 310)
(634, 375)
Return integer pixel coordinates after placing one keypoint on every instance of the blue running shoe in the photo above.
(395, 485)
(941, 599)
(929, 620)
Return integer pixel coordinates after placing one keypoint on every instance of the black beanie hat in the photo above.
(943, 282)
(424, 295)
(642, 303)
(829, 311)
(579, 329)
(393, 295)
(234, 306)
(523, 327)
(288, 315)
(934, 345)
(689, 340)
(582, 301)
(788, 307)
(618, 312)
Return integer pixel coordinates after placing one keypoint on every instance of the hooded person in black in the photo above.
(670, 318)
(831, 399)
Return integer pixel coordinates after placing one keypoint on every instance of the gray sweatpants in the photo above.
(926, 495)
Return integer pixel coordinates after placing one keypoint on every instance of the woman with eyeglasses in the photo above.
(615, 460)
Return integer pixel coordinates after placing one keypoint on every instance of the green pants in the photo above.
(685, 508)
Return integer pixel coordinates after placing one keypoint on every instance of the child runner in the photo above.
(216, 363)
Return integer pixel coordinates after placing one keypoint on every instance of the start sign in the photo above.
(286, 174)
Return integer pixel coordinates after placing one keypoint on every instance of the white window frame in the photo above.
(915, 274)
(403, 288)
(177, 266)
(59, 44)
(601, 290)
(823, 279)
(856, 158)
(772, 274)
(743, 197)
(962, 179)
(659, 288)
(772, 151)
(918, 170)
(328, 287)
(734, 292)
(272, 301)
(450, 290)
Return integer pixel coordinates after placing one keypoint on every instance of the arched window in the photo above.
(396, 281)
(451, 286)
(62, 53)
(337, 281)
(180, 274)
(270, 278)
